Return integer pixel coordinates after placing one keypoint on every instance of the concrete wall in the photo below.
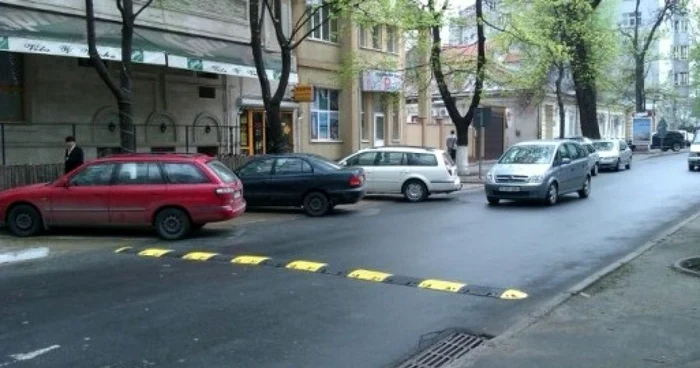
(60, 93)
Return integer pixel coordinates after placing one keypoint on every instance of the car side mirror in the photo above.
(565, 161)
(63, 183)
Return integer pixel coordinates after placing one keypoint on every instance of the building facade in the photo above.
(357, 101)
(194, 82)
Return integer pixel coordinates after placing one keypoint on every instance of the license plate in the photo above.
(509, 189)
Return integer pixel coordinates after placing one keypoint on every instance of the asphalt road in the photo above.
(100, 309)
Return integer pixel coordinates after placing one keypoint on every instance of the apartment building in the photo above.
(194, 79)
(355, 72)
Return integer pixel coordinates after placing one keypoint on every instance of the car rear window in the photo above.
(448, 159)
(222, 171)
(422, 159)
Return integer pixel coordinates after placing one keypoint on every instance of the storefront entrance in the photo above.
(254, 131)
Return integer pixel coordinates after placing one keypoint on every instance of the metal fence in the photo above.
(19, 175)
(23, 143)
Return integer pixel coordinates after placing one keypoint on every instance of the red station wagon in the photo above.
(175, 193)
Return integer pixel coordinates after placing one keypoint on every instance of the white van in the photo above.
(415, 172)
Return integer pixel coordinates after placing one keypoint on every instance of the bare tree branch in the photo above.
(309, 15)
(94, 55)
(146, 5)
(120, 6)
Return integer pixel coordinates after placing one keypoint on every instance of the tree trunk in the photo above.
(640, 104)
(585, 86)
(126, 116)
(560, 103)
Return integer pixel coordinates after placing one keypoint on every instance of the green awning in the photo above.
(31, 31)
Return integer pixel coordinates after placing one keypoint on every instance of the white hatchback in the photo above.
(415, 172)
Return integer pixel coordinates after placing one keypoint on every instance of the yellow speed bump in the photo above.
(306, 266)
(199, 256)
(122, 249)
(368, 275)
(513, 294)
(252, 260)
(441, 285)
(154, 252)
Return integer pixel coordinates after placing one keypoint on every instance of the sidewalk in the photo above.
(645, 314)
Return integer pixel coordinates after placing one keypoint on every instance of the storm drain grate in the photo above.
(444, 351)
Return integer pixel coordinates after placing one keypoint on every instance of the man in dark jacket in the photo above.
(74, 155)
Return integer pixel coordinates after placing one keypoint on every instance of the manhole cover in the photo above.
(445, 351)
(688, 265)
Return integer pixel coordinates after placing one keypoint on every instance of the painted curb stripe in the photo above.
(318, 267)
(305, 266)
(368, 275)
(199, 256)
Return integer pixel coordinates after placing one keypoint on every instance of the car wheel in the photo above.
(617, 165)
(629, 164)
(552, 194)
(24, 220)
(676, 147)
(586, 190)
(493, 200)
(316, 204)
(415, 191)
(172, 224)
(595, 170)
(691, 167)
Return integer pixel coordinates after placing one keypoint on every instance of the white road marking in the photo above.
(28, 356)
(23, 255)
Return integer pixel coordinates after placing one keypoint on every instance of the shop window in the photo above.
(11, 86)
(207, 93)
(324, 115)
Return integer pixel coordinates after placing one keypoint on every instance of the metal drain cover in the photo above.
(445, 351)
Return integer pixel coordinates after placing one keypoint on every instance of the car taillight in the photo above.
(229, 192)
(356, 180)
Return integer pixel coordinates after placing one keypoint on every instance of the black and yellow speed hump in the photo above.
(323, 268)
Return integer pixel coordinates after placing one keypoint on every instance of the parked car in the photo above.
(593, 158)
(694, 155)
(415, 172)
(300, 180)
(543, 170)
(673, 140)
(614, 153)
(175, 193)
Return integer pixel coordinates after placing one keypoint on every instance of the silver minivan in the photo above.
(541, 170)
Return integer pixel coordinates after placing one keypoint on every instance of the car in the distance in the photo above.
(300, 180)
(593, 156)
(415, 172)
(174, 193)
(673, 140)
(614, 154)
(539, 170)
(694, 154)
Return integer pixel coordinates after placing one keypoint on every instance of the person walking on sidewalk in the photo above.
(74, 155)
(452, 145)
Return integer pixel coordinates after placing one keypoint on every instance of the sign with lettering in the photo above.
(304, 93)
(32, 46)
(181, 62)
(382, 81)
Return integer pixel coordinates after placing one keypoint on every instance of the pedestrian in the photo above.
(74, 155)
(452, 145)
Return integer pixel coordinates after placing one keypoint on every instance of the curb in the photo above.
(23, 255)
(470, 359)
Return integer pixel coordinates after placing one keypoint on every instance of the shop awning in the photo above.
(30, 31)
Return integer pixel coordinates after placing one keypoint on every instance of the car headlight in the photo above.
(536, 179)
(490, 177)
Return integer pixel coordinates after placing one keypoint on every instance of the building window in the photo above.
(323, 23)
(391, 39)
(680, 52)
(324, 115)
(395, 123)
(11, 86)
(208, 93)
(631, 19)
(680, 26)
(377, 37)
(363, 36)
(680, 79)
